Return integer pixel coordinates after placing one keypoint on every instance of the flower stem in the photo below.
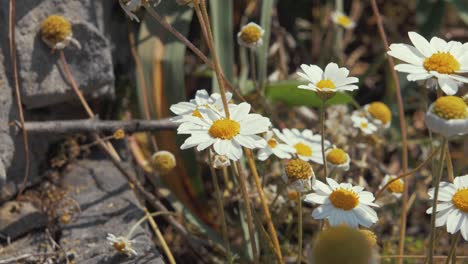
(219, 201)
(435, 184)
(266, 211)
(453, 249)
(322, 131)
(299, 230)
(245, 195)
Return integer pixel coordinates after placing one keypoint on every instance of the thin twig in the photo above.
(160, 237)
(401, 111)
(19, 104)
(93, 125)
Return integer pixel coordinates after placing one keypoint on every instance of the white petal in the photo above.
(333, 184)
(182, 108)
(439, 44)
(410, 68)
(461, 182)
(421, 44)
(454, 221)
(449, 86)
(254, 124)
(406, 53)
(331, 70)
(240, 112)
(263, 154)
(464, 227)
(418, 76)
(315, 198)
(322, 188)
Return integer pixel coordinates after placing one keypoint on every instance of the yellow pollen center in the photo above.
(380, 111)
(250, 34)
(196, 113)
(224, 129)
(442, 62)
(364, 124)
(119, 246)
(298, 169)
(344, 21)
(303, 149)
(272, 143)
(322, 84)
(344, 199)
(55, 29)
(460, 199)
(450, 107)
(337, 156)
(396, 187)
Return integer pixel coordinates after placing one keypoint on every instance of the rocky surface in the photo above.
(19, 218)
(108, 205)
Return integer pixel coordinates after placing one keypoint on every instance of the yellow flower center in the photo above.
(224, 129)
(344, 21)
(364, 124)
(344, 199)
(450, 107)
(380, 111)
(119, 246)
(163, 161)
(337, 156)
(272, 143)
(460, 200)
(251, 34)
(55, 29)
(442, 62)
(325, 84)
(370, 236)
(303, 149)
(396, 187)
(292, 195)
(298, 169)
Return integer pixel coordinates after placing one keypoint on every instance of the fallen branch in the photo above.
(89, 125)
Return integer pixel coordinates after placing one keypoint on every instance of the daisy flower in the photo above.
(56, 32)
(342, 20)
(337, 158)
(379, 114)
(448, 116)
(282, 151)
(326, 83)
(122, 244)
(343, 204)
(250, 35)
(453, 207)
(202, 100)
(396, 188)
(435, 59)
(299, 175)
(226, 135)
(307, 145)
(366, 127)
(163, 161)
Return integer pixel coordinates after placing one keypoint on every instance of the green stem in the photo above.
(322, 131)
(299, 230)
(436, 184)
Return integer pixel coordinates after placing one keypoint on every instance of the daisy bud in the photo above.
(250, 35)
(220, 161)
(163, 161)
(56, 32)
(119, 134)
(342, 244)
(300, 175)
(396, 188)
(448, 116)
(337, 158)
(370, 236)
(379, 113)
(343, 20)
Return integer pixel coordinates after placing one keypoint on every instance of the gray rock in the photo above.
(6, 143)
(19, 218)
(108, 205)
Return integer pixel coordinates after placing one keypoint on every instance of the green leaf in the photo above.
(288, 93)
(222, 21)
(265, 23)
(461, 6)
(429, 16)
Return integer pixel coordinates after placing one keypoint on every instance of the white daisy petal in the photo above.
(421, 44)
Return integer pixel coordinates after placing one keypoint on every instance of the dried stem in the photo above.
(299, 229)
(401, 111)
(160, 237)
(245, 195)
(452, 255)
(322, 131)
(435, 184)
(219, 202)
(266, 210)
(19, 104)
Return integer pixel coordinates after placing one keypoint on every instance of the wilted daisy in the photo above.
(379, 114)
(226, 135)
(274, 146)
(299, 175)
(434, 59)
(220, 161)
(453, 207)
(396, 188)
(163, 161)
(56, 32)
(343, 204)
(366, 127)
(326, 83)
(448, 116)
(337, 158)
(307, 145)
(342, 244)
(342, 20)
(250, 35)
(202, 100)
(122, 244)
